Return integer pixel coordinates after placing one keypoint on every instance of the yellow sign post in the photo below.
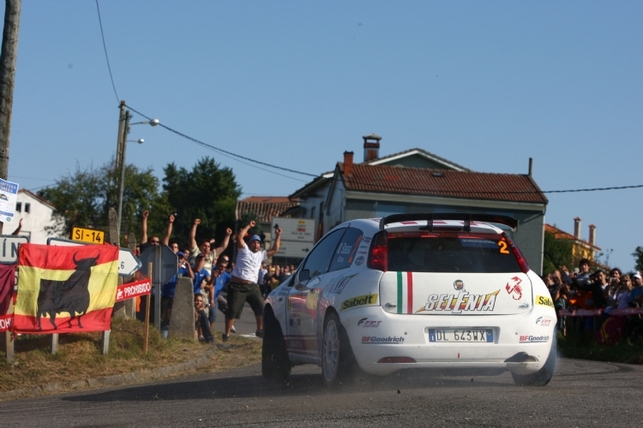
(88, 235)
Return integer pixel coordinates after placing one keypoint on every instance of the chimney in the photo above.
(348, 163)
(371, 147)
(592, 235)
(577, 227)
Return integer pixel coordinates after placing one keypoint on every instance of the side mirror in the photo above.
(304, 275)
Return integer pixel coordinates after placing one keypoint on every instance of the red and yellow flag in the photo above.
(65, 289)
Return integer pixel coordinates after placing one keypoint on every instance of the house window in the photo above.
(312, 212)
(27, 207)
(18, 207)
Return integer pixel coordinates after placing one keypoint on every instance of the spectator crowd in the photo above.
(215, 278)
(601, 291)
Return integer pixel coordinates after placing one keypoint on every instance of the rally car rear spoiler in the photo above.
(466, 217)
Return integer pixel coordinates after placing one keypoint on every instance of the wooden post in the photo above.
(9, 346)
(54, 344)
(9, 338)
(147, 312)
(105, 342)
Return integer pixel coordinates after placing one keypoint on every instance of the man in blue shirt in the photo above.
(201, 274)
(219, 280)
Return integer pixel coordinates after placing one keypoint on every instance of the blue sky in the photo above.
(486, 85)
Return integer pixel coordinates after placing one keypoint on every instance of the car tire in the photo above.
(542, 376)
(275, 363)
(338, 361)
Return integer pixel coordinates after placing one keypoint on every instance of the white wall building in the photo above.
(36, 214)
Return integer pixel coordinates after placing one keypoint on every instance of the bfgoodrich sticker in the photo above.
(533, 339)
(374, 340)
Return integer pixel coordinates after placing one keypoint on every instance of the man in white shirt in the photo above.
(243, 286)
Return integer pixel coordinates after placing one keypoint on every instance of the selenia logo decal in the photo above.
(367, 299)
(545, 301)
(462, 301)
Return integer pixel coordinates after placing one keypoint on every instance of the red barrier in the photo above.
(594, 312)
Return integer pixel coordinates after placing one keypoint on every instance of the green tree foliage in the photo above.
(557, 252)
(83, 198)
(208, 192)
(638, 257)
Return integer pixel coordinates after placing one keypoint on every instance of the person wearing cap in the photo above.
(243, 286)
(636, 295)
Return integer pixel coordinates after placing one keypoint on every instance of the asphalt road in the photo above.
(581, 394)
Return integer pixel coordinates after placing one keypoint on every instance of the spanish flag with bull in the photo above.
(64, 289)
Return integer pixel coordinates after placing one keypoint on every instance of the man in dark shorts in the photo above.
(243, 286)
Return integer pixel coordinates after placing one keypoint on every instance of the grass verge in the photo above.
(581, 346)
(79, 356)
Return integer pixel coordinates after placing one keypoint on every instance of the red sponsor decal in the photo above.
(6, 321)
(514, 289)
(133, 289)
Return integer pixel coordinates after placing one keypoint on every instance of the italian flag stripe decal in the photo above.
(405, 292)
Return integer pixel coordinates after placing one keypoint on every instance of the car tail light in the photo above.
(378, 256)
(524, 267)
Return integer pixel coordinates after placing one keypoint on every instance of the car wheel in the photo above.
(338, 362)
(542, 376)
(275, 363)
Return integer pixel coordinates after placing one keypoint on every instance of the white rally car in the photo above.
(413, 291)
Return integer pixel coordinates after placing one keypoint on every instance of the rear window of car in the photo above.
(451, 252)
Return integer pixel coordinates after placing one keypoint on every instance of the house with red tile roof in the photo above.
(419, 181)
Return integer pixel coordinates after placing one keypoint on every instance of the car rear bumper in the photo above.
(384, 343)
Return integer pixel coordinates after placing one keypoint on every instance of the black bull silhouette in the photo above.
(70, 296)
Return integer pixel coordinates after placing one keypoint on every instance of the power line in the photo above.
(194, 140)
(109, 68)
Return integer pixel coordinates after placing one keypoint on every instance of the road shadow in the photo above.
(309, 384)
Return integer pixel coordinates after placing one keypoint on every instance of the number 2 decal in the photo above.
(503, 247)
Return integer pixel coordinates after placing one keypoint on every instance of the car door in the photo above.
(303, 296)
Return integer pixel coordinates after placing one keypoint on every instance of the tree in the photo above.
(557, 252)
(83, 198)
(638, 256)
(208, 192)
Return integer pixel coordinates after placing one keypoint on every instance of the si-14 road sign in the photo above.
(128, 263)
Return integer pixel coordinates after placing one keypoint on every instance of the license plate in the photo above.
(481, 335)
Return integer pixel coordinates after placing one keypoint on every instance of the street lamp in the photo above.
(123, 131)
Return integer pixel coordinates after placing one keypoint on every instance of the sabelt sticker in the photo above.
(544, 301)
(367, 299)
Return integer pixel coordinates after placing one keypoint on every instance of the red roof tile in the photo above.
(265, 207)
(443, 183)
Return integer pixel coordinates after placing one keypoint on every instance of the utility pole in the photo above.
(121, 145)
(7, 79)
